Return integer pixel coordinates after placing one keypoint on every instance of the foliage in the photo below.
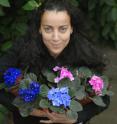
(3, 113)
(103, 19)
(14, 16)
(63, 90)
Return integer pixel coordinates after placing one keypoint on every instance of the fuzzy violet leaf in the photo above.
(84, 72)
(80, 93)
(72, 92)
(24, 83)
(31, 76)
(76, 83)
(2, 85)
(57, 109)
(64, 83)
(72, 114)
(24, 108)
(49, 75)
(44, 90)
(75, 106)
(98, 101)
(44, 103)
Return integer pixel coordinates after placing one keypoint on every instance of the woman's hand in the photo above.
(57, 118)
(39, 113)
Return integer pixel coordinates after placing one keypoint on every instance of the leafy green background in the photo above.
(101, 24)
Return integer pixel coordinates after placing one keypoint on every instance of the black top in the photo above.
(14, 59)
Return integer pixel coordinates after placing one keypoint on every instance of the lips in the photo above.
(56, 45)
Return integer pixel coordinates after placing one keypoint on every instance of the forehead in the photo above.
(55, 18)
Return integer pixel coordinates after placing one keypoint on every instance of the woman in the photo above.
(54, 39)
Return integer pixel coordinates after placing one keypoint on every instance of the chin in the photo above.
(55, 54)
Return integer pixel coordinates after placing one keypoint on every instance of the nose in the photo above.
(55, 35)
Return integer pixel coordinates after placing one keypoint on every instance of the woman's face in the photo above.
(55, 29)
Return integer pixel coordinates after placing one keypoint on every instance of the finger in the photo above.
(46, 121)
(59, 118)
(58, 115)
(37, 112)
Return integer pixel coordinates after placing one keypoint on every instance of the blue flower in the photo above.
(66, 99)
(11, 75)
(59, 96)
(29, 94)
(64, 90)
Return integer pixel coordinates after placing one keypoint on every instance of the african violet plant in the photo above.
(65, 90)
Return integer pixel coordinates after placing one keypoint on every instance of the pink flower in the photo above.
(56, 68)
(97, 84)
(57, 79)
(64, 73)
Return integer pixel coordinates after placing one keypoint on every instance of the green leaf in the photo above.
(105, 11)
(3, 114)
(3, 109)
(44, 103)
(49, 75)
(102, 2)
(31, 76)
(17, 102)
(57, 109)
(75, 106)
(106, 30)
(72, 115)
(21, 28)
(80, 94)
(44, 90)
(114, 13)
(7, 45)
(24, 112)
(91, 4)
(64, 83)
(98, 101)
(31, 5)
(116, 27)
(2, 85)
(76, 83)
(74, 2)
(1, 12)
(110, 2)
(24, 108)
(2, 118)
(85, 71)
(25, 83)
(5, 3)
(113, 35)
(72, 92)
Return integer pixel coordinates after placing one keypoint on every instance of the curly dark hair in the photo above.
(79, 52)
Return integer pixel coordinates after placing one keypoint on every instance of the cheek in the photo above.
(66, 38)
(45, 36)
(46, 39)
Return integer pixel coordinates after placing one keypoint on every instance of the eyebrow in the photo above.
(59, 26)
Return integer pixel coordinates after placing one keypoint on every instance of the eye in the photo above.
(63, 29)
(48, 29)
